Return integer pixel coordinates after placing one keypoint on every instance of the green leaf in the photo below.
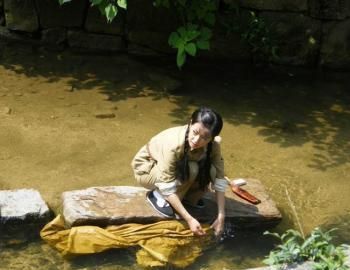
(191, 35)
(111, 11)
(203, 44)
(210, 19)
(191, 49)
(206, 33)
(122, 4)
(180, 58)
(61, 2)
(96, 2)
(174, 39)
(182, 31)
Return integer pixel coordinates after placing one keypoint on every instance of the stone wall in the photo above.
(308, 32)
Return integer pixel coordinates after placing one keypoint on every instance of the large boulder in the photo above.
(149, 26)
(335, 49)
(298, 37)
(23, 213)
(21, 15)
(95, 42)
(285, 5)
(125, 204)
(97, 23)
(330, 9)
(53, 15)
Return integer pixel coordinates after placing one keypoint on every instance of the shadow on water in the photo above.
(290, 107)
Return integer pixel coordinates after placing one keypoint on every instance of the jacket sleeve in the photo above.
(220, 183)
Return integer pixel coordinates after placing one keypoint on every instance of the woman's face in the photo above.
(198, 136)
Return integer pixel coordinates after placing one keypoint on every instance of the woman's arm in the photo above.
(193, 223)
(218, 224)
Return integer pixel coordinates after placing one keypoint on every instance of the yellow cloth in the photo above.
(162, 243)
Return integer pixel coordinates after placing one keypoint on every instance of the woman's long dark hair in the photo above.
(213, 122)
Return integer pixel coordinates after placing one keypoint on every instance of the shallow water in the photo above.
(287, 127)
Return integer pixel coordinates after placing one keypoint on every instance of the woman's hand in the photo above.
(193, 223)
(195, 227)
(218, 225)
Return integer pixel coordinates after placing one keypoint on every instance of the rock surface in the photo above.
(298, 37)
(335, 49)
(21, 15)
(95, 42)
(22, 205)
(287, 5)
(23, 213)
(121, 204)
(97, 23)
(53, 15)
(329, 9)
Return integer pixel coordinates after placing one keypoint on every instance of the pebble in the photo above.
(69, 88)
(6, 110)
(103, 115)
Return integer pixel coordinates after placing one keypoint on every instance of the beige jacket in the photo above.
(167, 148)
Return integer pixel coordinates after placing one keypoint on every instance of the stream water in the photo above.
(287, 127)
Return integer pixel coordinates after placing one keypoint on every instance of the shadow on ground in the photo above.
(290, 107)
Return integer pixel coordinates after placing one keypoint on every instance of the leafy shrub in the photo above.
(317, 248)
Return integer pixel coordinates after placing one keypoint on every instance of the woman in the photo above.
(179, 163)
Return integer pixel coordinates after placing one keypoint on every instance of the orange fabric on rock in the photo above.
(162, 243)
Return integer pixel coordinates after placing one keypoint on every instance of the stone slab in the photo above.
(298, 37)
(22, 205)
(53, 15)
(285, 5)
(329, 9)
(150, 27)
(335, 49)
(21, 15)
(23, 213)
(123, 204)
(95, 42)
(97, 23)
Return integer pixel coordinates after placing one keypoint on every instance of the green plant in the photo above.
(108, 8)
(259, 40)
(317, 248)
(187, 40)
(253, 30)
(197, 18)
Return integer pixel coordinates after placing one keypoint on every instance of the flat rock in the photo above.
(124, 204)
(23, 213)
(21, 205)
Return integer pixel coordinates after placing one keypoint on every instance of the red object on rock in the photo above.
(244, 194)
